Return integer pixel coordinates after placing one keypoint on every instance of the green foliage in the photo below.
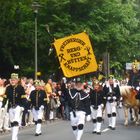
(113, 26)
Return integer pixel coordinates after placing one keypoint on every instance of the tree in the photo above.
(111, 24)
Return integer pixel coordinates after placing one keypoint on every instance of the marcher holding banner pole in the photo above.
(76, 58)
(79, 108)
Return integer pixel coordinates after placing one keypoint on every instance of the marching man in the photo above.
(79, 108)
(15, 95)
(97, 98)
(4, 115)
(37, 101)
(112, 92)
(2, 92)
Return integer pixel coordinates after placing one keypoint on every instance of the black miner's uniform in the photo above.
(16, 101)
(79, 107)
(97, 99)
(79, 101)
(38, 101)
(37, 98)
(112, 92)
(16, 96)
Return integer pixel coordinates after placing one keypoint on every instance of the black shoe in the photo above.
(93, 132)
(113, 128)
(38, 134)
(110, 127)
(98, 133)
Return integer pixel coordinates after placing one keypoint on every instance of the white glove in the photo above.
(22, 109)
(108, 98)
(2, 109)
(121, 98)
(102, 105)
(114, 98)
(137, 88)
(88, 118)
(59, 92)
(42, 107)
(29, 110)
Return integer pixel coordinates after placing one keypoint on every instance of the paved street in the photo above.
(61, 130)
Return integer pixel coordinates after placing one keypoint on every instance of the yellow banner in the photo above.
(75, 55)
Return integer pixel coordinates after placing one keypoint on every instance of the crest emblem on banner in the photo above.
(75, 55)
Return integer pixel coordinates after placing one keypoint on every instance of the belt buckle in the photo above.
(95, 107)
(36, 108)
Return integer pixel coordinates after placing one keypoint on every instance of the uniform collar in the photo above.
(73, 93)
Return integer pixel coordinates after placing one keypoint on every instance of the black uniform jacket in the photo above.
(115, 91)
(79, 101)
(97, 97)
(37, 98)
(15, 96)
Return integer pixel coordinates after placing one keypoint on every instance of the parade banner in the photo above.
(75, 55)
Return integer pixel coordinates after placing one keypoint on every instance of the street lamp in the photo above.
(35, 7)
(106, 59)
